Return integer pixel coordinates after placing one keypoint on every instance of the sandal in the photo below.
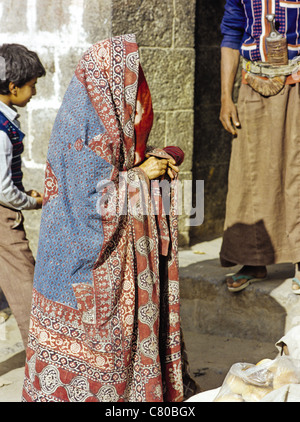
(296, 281)
(249, 279)
(4, 315)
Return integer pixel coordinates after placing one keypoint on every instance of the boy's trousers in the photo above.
(16, 267)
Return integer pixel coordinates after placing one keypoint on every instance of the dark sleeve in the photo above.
(233, 24)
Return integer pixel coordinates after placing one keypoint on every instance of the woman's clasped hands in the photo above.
(156, 167)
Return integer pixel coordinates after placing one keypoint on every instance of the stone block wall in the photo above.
(61, 30)
(165, 34)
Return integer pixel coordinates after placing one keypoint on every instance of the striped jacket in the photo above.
(244, 26)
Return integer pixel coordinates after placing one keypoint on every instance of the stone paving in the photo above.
(12, 358)
(220, 328)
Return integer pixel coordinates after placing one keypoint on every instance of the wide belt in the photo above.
(268, 79)
(270, 71)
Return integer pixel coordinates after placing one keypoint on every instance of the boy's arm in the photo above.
(10, 195)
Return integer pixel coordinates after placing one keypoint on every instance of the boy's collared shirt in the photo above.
(10, 195)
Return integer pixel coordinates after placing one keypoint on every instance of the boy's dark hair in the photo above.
(21, 65)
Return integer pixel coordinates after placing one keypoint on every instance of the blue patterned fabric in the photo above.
(71, 215)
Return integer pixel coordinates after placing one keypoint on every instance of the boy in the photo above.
(22, 68)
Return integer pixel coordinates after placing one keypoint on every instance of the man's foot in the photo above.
(247, 275)
(296, 281)
(4, 315)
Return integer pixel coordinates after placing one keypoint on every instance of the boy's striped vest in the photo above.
(16, 137)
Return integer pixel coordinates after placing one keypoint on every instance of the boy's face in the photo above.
(22, 95)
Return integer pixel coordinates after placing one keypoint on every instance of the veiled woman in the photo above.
(105, 322)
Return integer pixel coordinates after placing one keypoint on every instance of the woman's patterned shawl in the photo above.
(105, 320)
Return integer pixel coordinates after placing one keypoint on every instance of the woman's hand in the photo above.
(156, 167)
(172, 168)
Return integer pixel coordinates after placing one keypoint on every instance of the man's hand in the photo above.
(229, 65)
(229, 116)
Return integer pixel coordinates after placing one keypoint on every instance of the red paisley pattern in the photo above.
(50, 185)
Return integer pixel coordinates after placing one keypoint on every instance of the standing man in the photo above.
(262, 224)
